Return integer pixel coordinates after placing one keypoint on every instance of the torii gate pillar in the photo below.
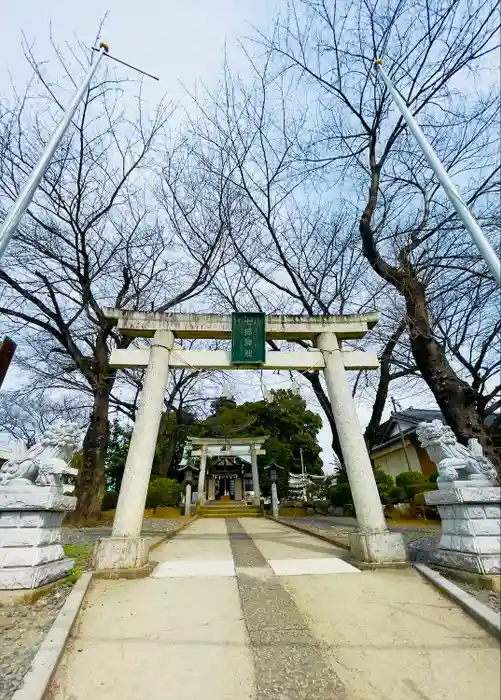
(374, 542)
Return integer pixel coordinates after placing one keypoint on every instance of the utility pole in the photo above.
(401, 433)
(476, 233)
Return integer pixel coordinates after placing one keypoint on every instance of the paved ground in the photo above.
(23, 626)
(250, 610)
(420, 540)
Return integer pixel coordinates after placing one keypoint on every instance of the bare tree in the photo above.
(27, 413)
(469, 327)
(95, 236)
(410, 236)
(386, 375)
(293, 252)
(183, 396)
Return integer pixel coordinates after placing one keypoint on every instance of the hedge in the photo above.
(163, 492)
(410, 478)
(340, 495)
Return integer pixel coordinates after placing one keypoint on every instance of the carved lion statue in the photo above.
(46, 462)
(454, 461)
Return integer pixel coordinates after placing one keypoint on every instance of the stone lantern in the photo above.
(188, 468)
(273, 468)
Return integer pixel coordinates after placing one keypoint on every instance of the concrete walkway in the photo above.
(251, 610)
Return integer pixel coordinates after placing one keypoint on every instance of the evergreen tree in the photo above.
(116, 455)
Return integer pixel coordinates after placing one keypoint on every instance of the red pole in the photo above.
(7, 350)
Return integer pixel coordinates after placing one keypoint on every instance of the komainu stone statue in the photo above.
(468, 502)
(33, 503)
(454, 461)
(46, 462)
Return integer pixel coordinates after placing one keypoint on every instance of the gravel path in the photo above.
(23, 626)
(22, 629)
(419, 540)
(489, 598)
(151, 526)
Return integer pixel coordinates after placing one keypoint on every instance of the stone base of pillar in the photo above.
(470, 528)
(120, 553)
(378, 548)
(31, 554)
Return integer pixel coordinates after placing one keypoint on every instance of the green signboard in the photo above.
(248, 345)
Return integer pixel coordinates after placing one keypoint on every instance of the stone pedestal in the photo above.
(378, 548)
(471, 527)
(31, 554)
(120, 553)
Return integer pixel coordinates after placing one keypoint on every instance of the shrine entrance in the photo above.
(228, 468)
(249, 335)
(224, 487)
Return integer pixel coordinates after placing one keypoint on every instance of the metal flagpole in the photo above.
(29, 188)
(462, 210)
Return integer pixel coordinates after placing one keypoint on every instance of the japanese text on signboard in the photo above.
(248, 338)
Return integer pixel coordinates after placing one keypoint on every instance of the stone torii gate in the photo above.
(126, 548)
(231, 447)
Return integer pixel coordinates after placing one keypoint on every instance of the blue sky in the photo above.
(180, 42)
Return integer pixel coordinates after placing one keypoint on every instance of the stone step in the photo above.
(228, 504)
(226, 510)
(232, 514)
(219, 511)
(229, 508)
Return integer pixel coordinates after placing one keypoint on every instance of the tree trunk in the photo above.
(456, 398)
(164, 465)
(91, 483)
